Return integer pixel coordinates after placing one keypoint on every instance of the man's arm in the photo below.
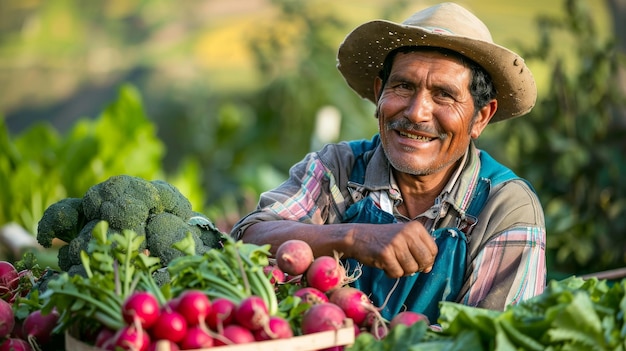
(508, 265)
(399, 248)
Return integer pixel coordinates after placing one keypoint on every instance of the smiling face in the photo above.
(426, 112)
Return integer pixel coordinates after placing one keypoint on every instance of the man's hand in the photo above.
(399, 249)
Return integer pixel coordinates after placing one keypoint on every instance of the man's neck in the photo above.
(419, 192)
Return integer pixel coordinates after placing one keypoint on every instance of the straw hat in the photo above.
(447, 25)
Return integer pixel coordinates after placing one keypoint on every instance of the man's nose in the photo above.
(419, 107)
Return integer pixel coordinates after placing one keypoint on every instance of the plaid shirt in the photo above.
(506, 243)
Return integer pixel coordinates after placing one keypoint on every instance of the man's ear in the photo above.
(483, 118)
(378, 87)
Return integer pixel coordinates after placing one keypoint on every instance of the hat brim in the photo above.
(362, 53)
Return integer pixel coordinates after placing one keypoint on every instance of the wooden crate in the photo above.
(311, 342)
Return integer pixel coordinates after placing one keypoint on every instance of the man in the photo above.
(420, 213)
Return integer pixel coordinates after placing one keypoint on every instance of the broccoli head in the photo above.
(154, 209)
(172, 200)
(62, 220)
(124, 201)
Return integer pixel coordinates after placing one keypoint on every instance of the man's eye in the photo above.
(444, 94)
(402, 86)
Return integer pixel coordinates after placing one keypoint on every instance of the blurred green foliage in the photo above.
(40, 166)
(222, 147)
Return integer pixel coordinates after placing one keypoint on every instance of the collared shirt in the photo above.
(506, 248)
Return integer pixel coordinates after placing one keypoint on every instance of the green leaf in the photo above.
(186, 245)
(579, 323)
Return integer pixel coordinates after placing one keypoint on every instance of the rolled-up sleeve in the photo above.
(508, 265)
(310, 194)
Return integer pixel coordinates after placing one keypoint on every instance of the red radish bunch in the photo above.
(193, 321)
(326, 283)
(324, 273)
(36, 328)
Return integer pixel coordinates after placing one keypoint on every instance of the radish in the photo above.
(142, 306)
(278, 328)
(408, 318)
(15, 345)
(322, 317)
(354, 303)
(132, 339)
(311, 295)
(197, 337)
(7, 319)
(221, 314)
(170, 325)
(275, 274)
(195, 306)
(294, 256)
(37, 327)
(234, 334)
(325, 274)
(252, 313)
(105, 339)
(379, 330)
(375, 324)
(9, 280)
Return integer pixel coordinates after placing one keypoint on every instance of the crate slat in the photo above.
(311, 342)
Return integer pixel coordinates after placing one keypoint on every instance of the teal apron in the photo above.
(420, 292)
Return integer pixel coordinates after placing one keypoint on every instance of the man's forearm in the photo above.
(323, 239)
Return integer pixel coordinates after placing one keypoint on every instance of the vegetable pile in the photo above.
(153, 209)
(142, 269)
(227, 295)
(23, 326)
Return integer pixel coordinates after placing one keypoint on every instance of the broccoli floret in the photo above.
(166, 229)
(62, 220)
(172, 199)
(124, 201)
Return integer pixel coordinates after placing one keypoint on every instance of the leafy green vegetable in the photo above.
(572, 314)
(114, 268)
(234, 271)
